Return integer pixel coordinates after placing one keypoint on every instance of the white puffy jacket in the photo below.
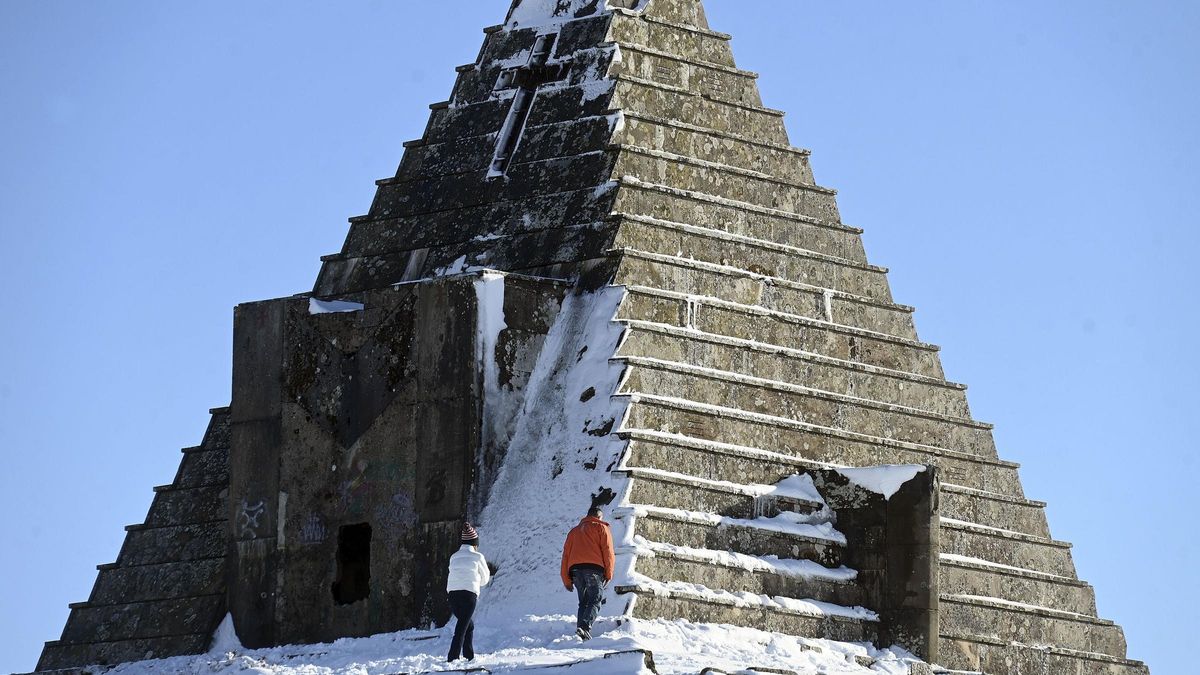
(468, 571)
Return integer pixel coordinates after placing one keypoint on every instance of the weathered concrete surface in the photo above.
(368, 417)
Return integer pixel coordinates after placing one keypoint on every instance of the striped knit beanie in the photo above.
(469, 533)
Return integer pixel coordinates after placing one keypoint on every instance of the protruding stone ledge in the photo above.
(759, 418)
(787, 318)
(666, 122)
(724, 168)
(729, 270)
(791, 352)
(792, 388)
(732, 70)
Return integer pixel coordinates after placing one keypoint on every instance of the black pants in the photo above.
(462, 604)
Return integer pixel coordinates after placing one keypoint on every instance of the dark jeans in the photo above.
(589, 584)
(462, 604)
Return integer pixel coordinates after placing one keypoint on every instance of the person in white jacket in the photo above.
(468, 573)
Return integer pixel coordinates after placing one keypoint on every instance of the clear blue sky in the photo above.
(1028, 170)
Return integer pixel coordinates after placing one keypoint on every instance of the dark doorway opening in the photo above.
(353, 582)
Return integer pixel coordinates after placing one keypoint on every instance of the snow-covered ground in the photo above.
(536, 644)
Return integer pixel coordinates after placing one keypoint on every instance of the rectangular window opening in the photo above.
(353, 581)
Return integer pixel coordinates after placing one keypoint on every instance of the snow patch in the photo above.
(316, 306)
(545, 644)
(562, 452)
(542, 13)
(225, 639)
(885, 480)
(803, 569)
(745, 599)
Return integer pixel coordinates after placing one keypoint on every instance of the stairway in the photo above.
(165, 594)
(760, 343)
(743, 554)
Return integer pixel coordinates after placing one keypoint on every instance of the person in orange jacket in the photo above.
(588, 562)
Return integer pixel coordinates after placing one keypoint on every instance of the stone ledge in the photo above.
(651, 84)
(713, 521)
(149, 601)
(732, 70)
(1059, 651)
(670, 24)
(784, 316)
(728, 270)
(1011, 606)
(771, 420)
(703, 599)
(159, 489)
(107, 567)
(1009, 570)
(142, 527)
(1010, 535)
(666, 122)
(994, 496)
(632, 181)
(650, 474)
(653, 363)
(723, 168)
(701, 559)
(791, 352)
(744, 240)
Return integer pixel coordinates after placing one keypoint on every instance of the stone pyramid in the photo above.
(602, 273)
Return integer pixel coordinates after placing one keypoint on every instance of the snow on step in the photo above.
(785, 523)
(790, 567)
(688, 591)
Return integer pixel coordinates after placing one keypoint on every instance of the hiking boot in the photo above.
(584, 634)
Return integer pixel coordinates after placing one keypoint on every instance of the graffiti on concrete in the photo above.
(250, 518)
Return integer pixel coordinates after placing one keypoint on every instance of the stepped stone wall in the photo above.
(760, 343)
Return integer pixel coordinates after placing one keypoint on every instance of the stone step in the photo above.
(67, 656)
(725, 182)
(709, 531)
(563, 138)
(217, 435)
(653, 603)
(670, 490)
(746, 322)
(785, 364)
(685, 38)
(1007, 548)
(173, 544)
(768, 258)
(1004, 656)
(679, 138)
(674, 564)
(188, 505)
(143, 620)
(159, 582)
(742, 286)
(440, 193)
(641, 95)
(202, 467)
(639, 198)
(716, 80)
(745, 465)
(995, 510)
(805, 404)
(964, 576)
(504, 217)
(1031, 624)
(812, 442)
(564, 247)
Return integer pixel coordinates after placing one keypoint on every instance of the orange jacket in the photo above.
(590, 542)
